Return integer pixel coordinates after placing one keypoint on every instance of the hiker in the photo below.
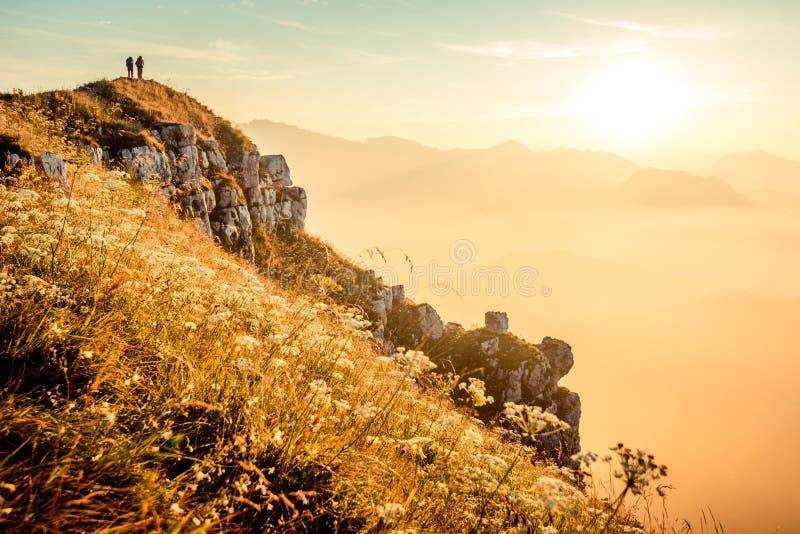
(129, 64)
(139, 66)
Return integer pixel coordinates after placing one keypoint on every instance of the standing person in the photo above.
(129, 64)
(139, 66)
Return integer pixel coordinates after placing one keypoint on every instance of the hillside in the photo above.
(179, 354)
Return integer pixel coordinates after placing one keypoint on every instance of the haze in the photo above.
(663, 243)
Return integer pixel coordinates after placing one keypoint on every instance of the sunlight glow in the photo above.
(634, 101)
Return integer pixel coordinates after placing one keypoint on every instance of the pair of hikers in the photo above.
(139, 66)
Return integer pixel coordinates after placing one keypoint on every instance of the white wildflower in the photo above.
(366, 410)
(532, 420)
(390, 512)
(219, 316)
(113, 184)
(246, 342)
(277, 436)
(277, 363)
(26, 195)
(345, 363)
(477, 392)
(414, 361)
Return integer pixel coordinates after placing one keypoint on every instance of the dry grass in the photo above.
(151, 382)
(118, 113)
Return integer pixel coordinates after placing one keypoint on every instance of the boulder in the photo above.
(198, 204)
(453, 329)
(561, 446)
(95, 154)
(496, 322)
(559, 355)
(490, 346)
(398, 295)
(232, 227)
(429, 322)
(177, 136)
(53, 166)
(147, 163)
(298, 204)
(276, 168)
(245, 169)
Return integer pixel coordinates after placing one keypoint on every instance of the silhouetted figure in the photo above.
(129, 64)
(139, 66)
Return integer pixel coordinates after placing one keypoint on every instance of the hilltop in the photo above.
(179, 354)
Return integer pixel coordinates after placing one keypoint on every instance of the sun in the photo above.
(634, 101)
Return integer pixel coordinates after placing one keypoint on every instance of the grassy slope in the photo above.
(149, 381)
(118, 113)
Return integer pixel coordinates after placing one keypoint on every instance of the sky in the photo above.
(670, 84)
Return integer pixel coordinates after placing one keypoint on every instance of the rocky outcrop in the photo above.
(13, 158)
(276, 168)
(230, 220)
(496, 322)
(147, 163)
(95, 154)
(229, 199)
(53, 166)
(512, 369)
(519, 372)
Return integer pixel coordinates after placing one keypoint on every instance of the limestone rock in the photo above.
(216, 162)
(213, 158)
(245, 169)
(560, 446)
(520, 372)
(95, 153)
(198, 204)
(298, 204)
(398, 295)
(429, 321)
(177, 136)
(276, 168)
(559, 354)
(146, 163)
(230, 218)
(54, 166)
(453, 329)
(496, 322)
(490, 346)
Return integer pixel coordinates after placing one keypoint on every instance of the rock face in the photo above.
(524, 373)
(147, 163)
(229, 199)
(53, 166)
(95, 154)
(512, 369)
(496, 322)
(275, 166)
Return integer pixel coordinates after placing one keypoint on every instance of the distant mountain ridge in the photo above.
(511, 175)
(769, 178)
(667, 188)
(504, 173)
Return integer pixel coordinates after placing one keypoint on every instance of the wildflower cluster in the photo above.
(531, 421)
(158, 373)
(476, 390)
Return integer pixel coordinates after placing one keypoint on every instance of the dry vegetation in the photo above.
(149, 381)
(118, 113)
